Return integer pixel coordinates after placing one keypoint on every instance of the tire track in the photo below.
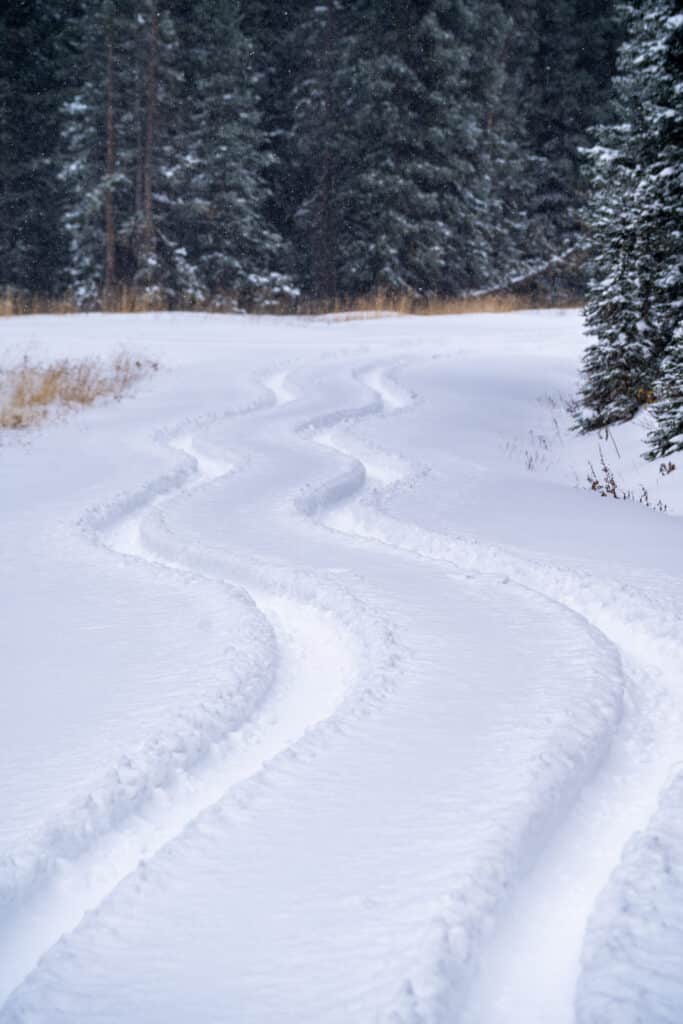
(531, 964)
(350, 502)
(80, 862)
(441, 978)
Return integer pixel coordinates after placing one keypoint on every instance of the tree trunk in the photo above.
(326, 270)
(150, 121)
(110, 233)
(140, 75)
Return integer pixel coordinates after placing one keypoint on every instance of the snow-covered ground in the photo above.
(332, 692)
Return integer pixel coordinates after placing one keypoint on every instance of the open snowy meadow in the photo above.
(342, 681)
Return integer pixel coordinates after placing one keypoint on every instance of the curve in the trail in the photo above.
(529, 952)
(531, 964)
(433, 988)
(179, 776)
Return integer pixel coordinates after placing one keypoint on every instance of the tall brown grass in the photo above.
(129, 300)
(405, 305)
(29, 392)
(124, 300)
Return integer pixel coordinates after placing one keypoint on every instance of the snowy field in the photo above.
(332, 692)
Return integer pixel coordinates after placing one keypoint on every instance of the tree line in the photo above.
(245, 155)
(218, 151)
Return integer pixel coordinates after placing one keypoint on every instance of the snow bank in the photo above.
(632, 965)
(332, 667)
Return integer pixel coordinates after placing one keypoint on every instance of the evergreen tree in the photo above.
(568, 53)
(436, 144)
(276, 60)
(34, 70)
(384, 142)
(163, 272)
(498, 85)
(636, 301)
(98, 152)
(322, 152)
(667, 436)
(227, 237)
(123, 162)
(560, 63)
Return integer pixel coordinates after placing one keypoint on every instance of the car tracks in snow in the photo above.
(319, 626)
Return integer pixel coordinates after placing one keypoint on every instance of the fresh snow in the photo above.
(332, 691)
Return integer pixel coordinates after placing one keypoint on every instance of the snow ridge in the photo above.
(148, 785)
(249, 670)
(147, 790)
(648, 632)
(637, 928)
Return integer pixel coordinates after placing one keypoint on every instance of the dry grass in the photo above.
(129, 300)
(125, 300)
(32, 391)
(20, 305)
(404, 305)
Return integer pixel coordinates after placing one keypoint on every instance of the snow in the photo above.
(636, 933)
(334, 692)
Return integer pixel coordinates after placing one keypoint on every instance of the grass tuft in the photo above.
(32, 391)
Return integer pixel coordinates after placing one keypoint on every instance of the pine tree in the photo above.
(667, 436)
(559, 61)
(163, 272)
(277, 60)
(618, 366)
(497, 85)
(224, 192)
(321, 149)
(123, 162)
(34, 71)
(561, 95)
(636, 300)
(384, 141)
(98, 153)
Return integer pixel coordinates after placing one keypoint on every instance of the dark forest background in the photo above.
(225, 155)
(250, 153)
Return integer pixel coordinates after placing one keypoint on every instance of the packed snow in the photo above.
(342, 682)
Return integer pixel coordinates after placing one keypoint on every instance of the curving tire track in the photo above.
(152, 797)
(532, 963)
(352, 503)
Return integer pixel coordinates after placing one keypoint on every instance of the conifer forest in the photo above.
(226, 154)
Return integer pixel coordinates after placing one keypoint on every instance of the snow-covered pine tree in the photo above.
(33, 75)
(395, 182)
(435, 145)
(497, 84)
(636, 300)
(122, 163)
(560, 101)
(320, 148)
(662, 197)
(617, 372)
(385, 141)
(667, 435)
(235, 252)
(98, 151)
(163, 272)
(276, 61)
(487, 200)
(556, 62)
